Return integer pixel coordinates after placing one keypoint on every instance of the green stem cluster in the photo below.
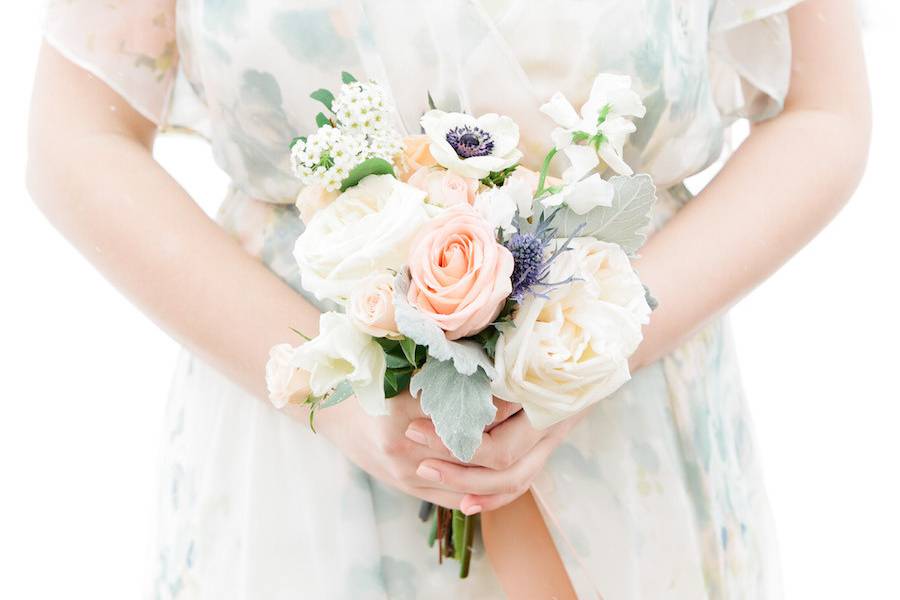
(454, 533)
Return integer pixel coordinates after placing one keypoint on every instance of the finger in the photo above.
(504, 411)
(474, 503)
(483, 481)
(500, 448)
(442, 498)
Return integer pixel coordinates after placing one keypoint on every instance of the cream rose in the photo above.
(366, 229)
(283, 379)
(372, 305)
(343, 352)
(445, 188)
(459, 274)
(570, 349)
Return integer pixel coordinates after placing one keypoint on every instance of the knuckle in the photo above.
(393, 447)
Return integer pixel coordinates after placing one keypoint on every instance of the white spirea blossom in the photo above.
(360, 131)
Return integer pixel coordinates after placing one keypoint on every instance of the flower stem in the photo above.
(545, 169)
(468, 536)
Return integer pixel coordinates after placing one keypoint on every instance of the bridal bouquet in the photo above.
(462, 275)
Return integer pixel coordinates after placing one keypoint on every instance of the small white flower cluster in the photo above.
(361, 107)
(361, 132)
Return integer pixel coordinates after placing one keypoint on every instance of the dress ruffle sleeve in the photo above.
(750, 57)
(129, 44)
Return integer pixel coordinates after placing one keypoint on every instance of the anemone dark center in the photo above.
(469, 141)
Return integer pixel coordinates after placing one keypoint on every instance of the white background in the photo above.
(85, 376)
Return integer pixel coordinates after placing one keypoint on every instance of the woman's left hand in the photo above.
(511, 455)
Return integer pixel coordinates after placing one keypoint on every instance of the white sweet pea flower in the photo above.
(603, 123)
(341, 351)
(472, 147)
(499, 206)
(583, 196)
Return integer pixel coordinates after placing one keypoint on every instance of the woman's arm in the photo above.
(91, 171)
(781, 187)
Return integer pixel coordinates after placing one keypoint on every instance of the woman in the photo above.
(652, 493)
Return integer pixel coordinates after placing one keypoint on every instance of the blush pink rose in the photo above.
(444, 188)
(460, 275)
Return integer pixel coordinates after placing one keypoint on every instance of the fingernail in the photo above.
(471, 510)
(428, 473)
(416, 436)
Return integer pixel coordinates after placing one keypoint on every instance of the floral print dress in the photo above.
(656, 494)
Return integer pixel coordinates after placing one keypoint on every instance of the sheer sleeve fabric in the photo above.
(129, 44)
(750, 57)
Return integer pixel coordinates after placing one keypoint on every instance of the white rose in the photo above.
(283, 380)
(372, 305)
(570, 348)
(470, 146)
(368, 228)
(608, 275)
(339, 352)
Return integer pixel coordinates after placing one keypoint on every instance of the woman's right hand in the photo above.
(380, 446)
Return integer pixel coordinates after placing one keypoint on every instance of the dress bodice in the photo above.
(241, 72)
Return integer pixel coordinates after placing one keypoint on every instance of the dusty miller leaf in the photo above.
(460, 406)
(341, 392)
(625, 222)
(467, 356)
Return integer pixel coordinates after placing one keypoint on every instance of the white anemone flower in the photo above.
(603, 124)
(472, 147)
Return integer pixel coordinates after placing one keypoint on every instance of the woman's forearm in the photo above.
(778, 190)
(96, 180)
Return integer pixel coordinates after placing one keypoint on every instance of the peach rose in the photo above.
(460, 276)
(444, 188)
(312, 199)
(416, 155)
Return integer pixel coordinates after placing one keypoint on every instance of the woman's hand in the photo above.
(511, 455)
(380, 446)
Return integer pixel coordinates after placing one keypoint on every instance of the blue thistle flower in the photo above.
(531, 266)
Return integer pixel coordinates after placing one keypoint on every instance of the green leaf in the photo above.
(324, 96)
(467, 356)
(396, 380)
(409, 350)
(498, 178)
(460, 406)
(373, 166)
(395, 361)
(431, 103)
(347, 77)
(625, 222)
(322, 120)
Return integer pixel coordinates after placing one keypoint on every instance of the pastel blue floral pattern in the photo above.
(657, 494)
